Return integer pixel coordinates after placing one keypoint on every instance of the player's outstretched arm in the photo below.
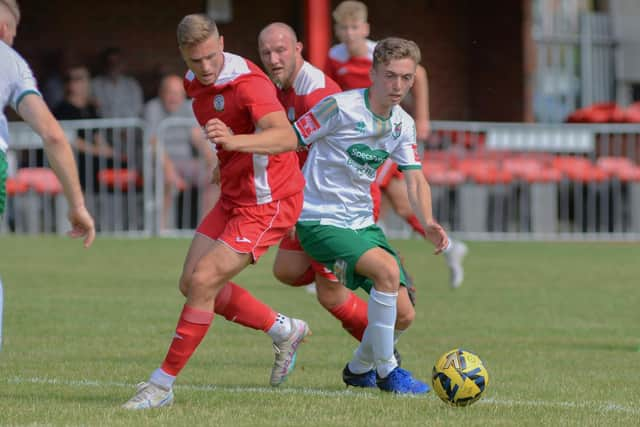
(420, 198)
(35, 112)
(275, 135)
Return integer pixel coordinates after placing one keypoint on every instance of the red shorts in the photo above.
(293, 244)
(387, 172)
(251, 229)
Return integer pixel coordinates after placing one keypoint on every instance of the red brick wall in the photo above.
(473, 50)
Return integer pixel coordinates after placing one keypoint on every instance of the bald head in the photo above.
(9, 19)
(172, 93)
(281, 53)
(278, 29)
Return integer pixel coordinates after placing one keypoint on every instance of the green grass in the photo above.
(557, 325)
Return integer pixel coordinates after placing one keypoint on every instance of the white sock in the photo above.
(162, 379)
(396, 335)
(382, 311)
(363, 356)
(448, 248)
(1, 305)
(281, 328)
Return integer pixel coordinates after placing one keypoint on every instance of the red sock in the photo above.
(237, 305)
(414, 222)
(307, 277)
(353, 315)
(192, 327)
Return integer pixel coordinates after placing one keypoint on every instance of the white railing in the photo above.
(489, 181)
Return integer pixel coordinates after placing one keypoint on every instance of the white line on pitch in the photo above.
(588, 405)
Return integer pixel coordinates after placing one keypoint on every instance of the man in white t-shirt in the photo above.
(18, 89)
(353, 133)
(188, 157)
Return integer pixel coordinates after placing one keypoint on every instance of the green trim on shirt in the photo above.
(300, 140)
(25, 93)
(409, 167)
(366, 103)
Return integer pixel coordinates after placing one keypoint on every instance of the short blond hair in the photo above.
(12, 7)
(194, 29)
(350, 9)
(392, 48)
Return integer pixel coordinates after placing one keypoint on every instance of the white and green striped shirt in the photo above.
(350, 143)
(16, 81)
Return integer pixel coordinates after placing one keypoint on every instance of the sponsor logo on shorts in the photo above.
(241, 239)
(340, 270)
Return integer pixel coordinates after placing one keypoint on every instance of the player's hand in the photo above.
(436, 235)
(82, 225)
(423, 129)
(215, 175)
(218, 132)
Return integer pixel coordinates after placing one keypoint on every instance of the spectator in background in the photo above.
(181, 167)
(94, 150)
(116, 94)
(53, 85)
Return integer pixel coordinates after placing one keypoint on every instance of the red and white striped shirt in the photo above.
(240, 97)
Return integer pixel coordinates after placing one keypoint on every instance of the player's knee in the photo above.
(405, 317)
(387, 278)
(202, 281)
(331, 297)
(283, 274)
(404, 211)
(183, 285)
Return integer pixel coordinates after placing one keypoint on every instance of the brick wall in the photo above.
(473, 50)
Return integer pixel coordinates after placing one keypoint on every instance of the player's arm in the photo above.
(35, 112)
(420, 92)
(419, 194)
(275, 135)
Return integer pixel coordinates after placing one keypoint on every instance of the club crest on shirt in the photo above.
(291, 114)
(218, 102)
(397, 130)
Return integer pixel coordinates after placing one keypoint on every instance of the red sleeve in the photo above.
(258, 95)
(329, 69)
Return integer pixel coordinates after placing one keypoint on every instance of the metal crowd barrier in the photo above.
(532, 181)
(488, 181)
(113, 163)
(194, 195)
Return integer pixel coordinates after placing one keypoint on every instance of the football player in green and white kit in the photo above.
(352, 134)
(18, 89)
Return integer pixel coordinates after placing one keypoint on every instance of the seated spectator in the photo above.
(116, 94)
(188, 158)
(53, 84)
(94, 150)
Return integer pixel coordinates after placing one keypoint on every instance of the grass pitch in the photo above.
(557, 325)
